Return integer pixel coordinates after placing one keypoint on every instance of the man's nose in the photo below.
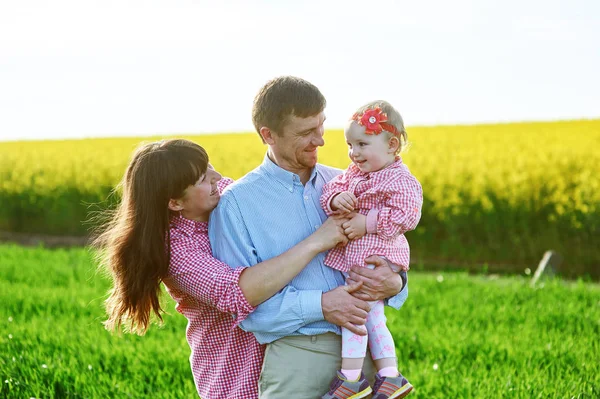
(318, 140)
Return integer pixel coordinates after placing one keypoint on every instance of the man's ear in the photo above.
(267, 135)
(175, 205)
(394, 144)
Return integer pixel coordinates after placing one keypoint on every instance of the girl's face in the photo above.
(369, 153)
(201, 198)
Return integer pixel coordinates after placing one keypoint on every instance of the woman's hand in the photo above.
(330, 234)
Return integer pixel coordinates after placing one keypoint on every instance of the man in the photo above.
(271, 209)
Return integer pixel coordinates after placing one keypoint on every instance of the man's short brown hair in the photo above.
(283, 97)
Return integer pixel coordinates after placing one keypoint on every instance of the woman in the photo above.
(159, 234)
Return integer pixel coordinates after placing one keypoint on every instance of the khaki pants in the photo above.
(302, 367)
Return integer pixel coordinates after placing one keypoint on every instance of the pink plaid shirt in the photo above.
(225, 360)
(391, 199)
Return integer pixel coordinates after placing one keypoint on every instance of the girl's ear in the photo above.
(393, 145)
(175, 205)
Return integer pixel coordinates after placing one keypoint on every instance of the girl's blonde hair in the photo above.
(394, 118)
(134, 245)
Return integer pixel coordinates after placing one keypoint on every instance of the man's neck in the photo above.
(302, 172)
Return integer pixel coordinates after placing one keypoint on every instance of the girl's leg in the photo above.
(354, 349)
(381, 342)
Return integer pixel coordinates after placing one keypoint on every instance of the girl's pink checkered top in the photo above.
(391, 199)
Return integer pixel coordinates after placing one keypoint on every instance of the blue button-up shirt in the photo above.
(261, 216)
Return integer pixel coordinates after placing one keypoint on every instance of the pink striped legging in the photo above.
(379, 338)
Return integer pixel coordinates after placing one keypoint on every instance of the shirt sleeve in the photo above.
(229, 238)
(402, 209)
(398, 300)
(206, 279)
(335, 186)
(283, 313)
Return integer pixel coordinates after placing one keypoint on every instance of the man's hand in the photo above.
(355, 227)
(344, 202)
(344, 310)
(330, 234)
(377, 284)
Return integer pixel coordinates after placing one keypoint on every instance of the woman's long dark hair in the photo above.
(134, 244)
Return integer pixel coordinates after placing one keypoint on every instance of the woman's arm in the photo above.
(263, 280)
(237, 291)
(198, 275)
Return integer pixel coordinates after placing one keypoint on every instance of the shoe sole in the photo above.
(402, 392)
(361, 394)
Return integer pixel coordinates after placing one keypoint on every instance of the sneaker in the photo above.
(341, 388)
(391, 387)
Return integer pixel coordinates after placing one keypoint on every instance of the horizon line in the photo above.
(208, 133)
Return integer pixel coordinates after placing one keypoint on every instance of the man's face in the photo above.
(297, 146)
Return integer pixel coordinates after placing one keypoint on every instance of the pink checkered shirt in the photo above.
(391, 199)
(225, 360)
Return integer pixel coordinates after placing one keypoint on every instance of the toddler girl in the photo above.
(384, 200)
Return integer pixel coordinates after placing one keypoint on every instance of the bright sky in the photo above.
(106, 68)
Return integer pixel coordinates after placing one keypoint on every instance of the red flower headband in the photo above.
(375, 122)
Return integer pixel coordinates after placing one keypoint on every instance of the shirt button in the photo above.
(306, 197)
(316, 226)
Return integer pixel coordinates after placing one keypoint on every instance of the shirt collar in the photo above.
(189, 226)
(285, 177)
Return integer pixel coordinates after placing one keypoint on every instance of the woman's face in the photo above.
(201, 198)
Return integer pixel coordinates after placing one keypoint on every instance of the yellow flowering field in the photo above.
(495, 195)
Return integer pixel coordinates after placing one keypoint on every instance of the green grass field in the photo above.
(458, 336)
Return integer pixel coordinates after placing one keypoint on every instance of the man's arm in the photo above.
(382, 283)
(283, 313)
(290, 309)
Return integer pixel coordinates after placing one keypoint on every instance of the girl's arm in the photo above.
(335, 186)
(402, 210)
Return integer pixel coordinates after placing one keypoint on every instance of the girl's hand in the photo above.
(330, 233)
(355, 227)
(344, 202)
